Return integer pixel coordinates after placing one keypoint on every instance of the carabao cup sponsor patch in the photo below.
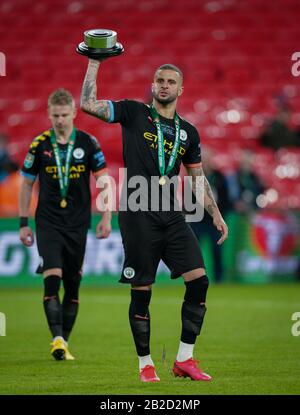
(29, 160)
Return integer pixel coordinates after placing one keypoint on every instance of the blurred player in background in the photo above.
(278, 133)
(245, 185)
(63, 158)
(149, 236)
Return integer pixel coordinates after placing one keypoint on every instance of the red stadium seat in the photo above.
(235, 55)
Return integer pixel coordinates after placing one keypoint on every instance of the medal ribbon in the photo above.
(160, 142)
(63, 177)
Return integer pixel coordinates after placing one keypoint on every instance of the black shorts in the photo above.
(59, 248)
(149, 237)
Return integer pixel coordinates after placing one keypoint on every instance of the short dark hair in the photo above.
(61, 97)
(171, 67)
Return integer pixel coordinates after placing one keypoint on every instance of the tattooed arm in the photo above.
(209, 201)
(89, 102)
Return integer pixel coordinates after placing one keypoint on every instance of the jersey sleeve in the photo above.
(124, 111)
(31, 164)
(193, 154)
(96, 158)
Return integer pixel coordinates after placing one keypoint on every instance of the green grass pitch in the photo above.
(246, 343)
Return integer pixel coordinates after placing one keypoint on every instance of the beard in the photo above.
(164, 100)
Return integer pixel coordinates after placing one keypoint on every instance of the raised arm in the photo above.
(89, 102)
(210, 204)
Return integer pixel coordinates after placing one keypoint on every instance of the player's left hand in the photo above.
(103, 228)
(26, 236)
(222, 227)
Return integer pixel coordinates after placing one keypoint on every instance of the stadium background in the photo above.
(236, 58)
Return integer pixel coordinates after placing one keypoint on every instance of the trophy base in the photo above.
(94, 53)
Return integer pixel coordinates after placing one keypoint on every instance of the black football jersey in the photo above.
(140, 148)
(40, 161)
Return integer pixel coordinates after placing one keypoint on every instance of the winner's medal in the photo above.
(63, 176)
(160, 144)
(162, 180)
(63, 203)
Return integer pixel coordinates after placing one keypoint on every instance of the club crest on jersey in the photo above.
(183, 135)
(78, 153)
(29, 160)
(129, 273)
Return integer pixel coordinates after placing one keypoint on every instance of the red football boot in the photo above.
(148, 374)
(189, 368)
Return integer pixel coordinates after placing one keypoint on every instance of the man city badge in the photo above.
(183, 135)
(78, 153)
(129, 272)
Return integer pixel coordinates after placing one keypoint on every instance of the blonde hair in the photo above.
(61, 97)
